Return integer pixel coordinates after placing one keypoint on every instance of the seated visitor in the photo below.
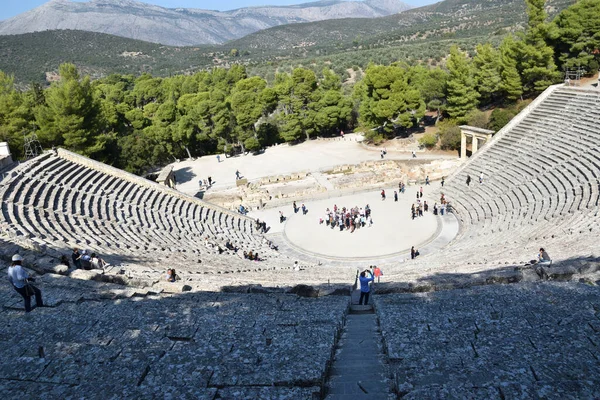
(97, 262)
(64, 260)
(85, 260)
(172, 275)
(543, 257)
(76, 257)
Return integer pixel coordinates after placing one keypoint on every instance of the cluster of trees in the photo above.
(137, 123)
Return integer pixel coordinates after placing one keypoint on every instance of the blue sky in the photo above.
(10, 8)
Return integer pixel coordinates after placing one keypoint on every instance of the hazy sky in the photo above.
(9, 8)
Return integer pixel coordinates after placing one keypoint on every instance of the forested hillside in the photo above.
(420, 35)
(140, 122)
(29, 56)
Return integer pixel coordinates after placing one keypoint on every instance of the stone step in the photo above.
(361, 309)
(359, 370)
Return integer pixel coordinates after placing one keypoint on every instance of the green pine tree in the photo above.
(487, 72)
(536, 58)
(462, 95)
(510, 85)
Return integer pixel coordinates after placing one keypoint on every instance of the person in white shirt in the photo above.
(97, 262)
(18, 277)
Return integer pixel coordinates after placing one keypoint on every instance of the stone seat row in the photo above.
(124, 344)
(69, 204)
(540, 178)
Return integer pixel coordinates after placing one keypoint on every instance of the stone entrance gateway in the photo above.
(476, 134)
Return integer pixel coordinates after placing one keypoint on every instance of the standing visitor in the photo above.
(443, 180)
(365, 289)
(481, 177)
(382, 194)
(413, 253)
(468, 180)
(377, 272)
(395, 196)
(20, 281)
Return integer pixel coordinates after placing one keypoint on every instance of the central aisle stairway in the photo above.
(359, 370)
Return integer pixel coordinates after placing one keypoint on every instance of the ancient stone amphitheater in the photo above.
(470, 320)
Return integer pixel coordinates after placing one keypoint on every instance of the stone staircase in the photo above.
(360, 369)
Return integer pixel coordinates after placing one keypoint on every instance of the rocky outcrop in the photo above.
(181, 26)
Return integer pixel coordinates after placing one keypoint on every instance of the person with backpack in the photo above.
(21, 282)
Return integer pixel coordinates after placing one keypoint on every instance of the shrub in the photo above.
(428, 140)
(450, 135)
(478, 119)
(499, 118)
(252, 144)
(374, 136)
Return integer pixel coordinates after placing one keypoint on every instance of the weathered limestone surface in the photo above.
(97, 340)
(499, 341)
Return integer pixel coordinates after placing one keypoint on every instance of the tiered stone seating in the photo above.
(64, 200)
(501, 341)
(107, 341)
(540, 183)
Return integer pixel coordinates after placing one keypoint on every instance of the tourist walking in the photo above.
(295, 207)
(443, 180)
(481, 177)
(382, 194)
(395, 196)
(365, 289)
(21, 282)
(427, 180)
(218, 158)
(468, 180)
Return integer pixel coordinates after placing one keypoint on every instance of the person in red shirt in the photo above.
(377, 272)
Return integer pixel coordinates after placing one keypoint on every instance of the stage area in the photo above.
(393, 230)
(309, 156)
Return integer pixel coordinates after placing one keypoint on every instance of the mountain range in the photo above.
(183, 26)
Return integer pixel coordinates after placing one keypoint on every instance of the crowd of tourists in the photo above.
(347, 218)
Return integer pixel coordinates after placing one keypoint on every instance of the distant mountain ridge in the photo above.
(185, 26)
